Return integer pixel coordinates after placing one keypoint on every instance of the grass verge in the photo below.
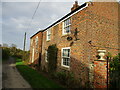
(35, 79)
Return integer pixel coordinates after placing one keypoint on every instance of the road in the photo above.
(11, 76)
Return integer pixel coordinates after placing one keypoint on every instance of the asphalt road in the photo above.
(11, 77)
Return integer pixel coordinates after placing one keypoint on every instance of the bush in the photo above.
(115, 72)
(65, 78)
(52, 58)
(5, 53)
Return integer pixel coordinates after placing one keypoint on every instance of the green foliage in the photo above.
(52, 58)
(109, 55)
(34, 78)
(115, 72)
(65, 78)
(115, 63)
(5, 53)
(14, 52)
(26, 56)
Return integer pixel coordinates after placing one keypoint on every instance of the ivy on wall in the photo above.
(52, 58)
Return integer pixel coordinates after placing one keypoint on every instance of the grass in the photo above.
(35, 79)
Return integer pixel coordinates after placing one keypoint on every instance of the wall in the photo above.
(37, 49)
(97, 27)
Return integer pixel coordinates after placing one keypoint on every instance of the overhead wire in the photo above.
(34, 14)
(29, 24)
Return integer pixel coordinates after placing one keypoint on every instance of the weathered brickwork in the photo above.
(97, 27)
(36, 48)
(100, 77)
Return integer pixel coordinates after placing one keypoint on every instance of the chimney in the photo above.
(75, 5)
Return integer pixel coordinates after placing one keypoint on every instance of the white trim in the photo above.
(70, 15)
(63, 26)
(36, 42)
(33, 51)
(47, 34)
(62, 56)
(46, 55)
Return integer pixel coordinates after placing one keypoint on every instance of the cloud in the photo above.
(17, 16)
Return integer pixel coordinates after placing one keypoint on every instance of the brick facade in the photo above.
(97, 28)
(36, 48)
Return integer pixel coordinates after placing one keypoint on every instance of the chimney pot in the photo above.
(75, 5)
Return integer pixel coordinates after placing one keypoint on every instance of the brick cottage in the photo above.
(88, 30)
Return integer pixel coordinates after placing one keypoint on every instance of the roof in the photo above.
(83, 5)
(36, 33)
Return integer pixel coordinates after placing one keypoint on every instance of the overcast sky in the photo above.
(16, 17)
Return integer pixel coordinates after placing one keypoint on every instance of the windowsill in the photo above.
(66, 34)
(46, 61)
(65, 67)
(47, 40)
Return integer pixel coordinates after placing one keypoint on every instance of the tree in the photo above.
(5, 45)
(13, 45)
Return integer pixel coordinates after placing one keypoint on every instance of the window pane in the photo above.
(48, 34)
(67, 26)
(66, 61)
(66, 57)
(67, 30)
(66, 52)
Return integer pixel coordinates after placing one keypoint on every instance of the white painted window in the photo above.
(48, 34)
(46, 55)
(66, 26)
(66, 57)
(36, 42)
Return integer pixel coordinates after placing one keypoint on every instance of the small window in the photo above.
(66, 26)
(48, 34)
(46, 55)
(66, 57)
(36, 42)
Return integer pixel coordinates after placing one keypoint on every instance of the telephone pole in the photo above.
(24, 46)
(24, 42)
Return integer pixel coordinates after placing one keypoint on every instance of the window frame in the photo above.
(62, 57)
(48, 32)
(36, 42)
(66, 26)
(46, 56)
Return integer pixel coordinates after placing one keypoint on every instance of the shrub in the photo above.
(52, 58)
(5, 53)
(64, 78)
(115, 72)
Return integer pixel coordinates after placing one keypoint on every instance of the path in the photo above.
(11, 76)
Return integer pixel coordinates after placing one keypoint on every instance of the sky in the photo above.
(16, 18)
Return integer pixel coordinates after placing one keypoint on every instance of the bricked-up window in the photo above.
(46, 55)
(48, 34)
(66, 57)
(66, 26)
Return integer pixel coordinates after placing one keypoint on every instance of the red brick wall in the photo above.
(37, 50)
(100, 77)
(97, 23)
